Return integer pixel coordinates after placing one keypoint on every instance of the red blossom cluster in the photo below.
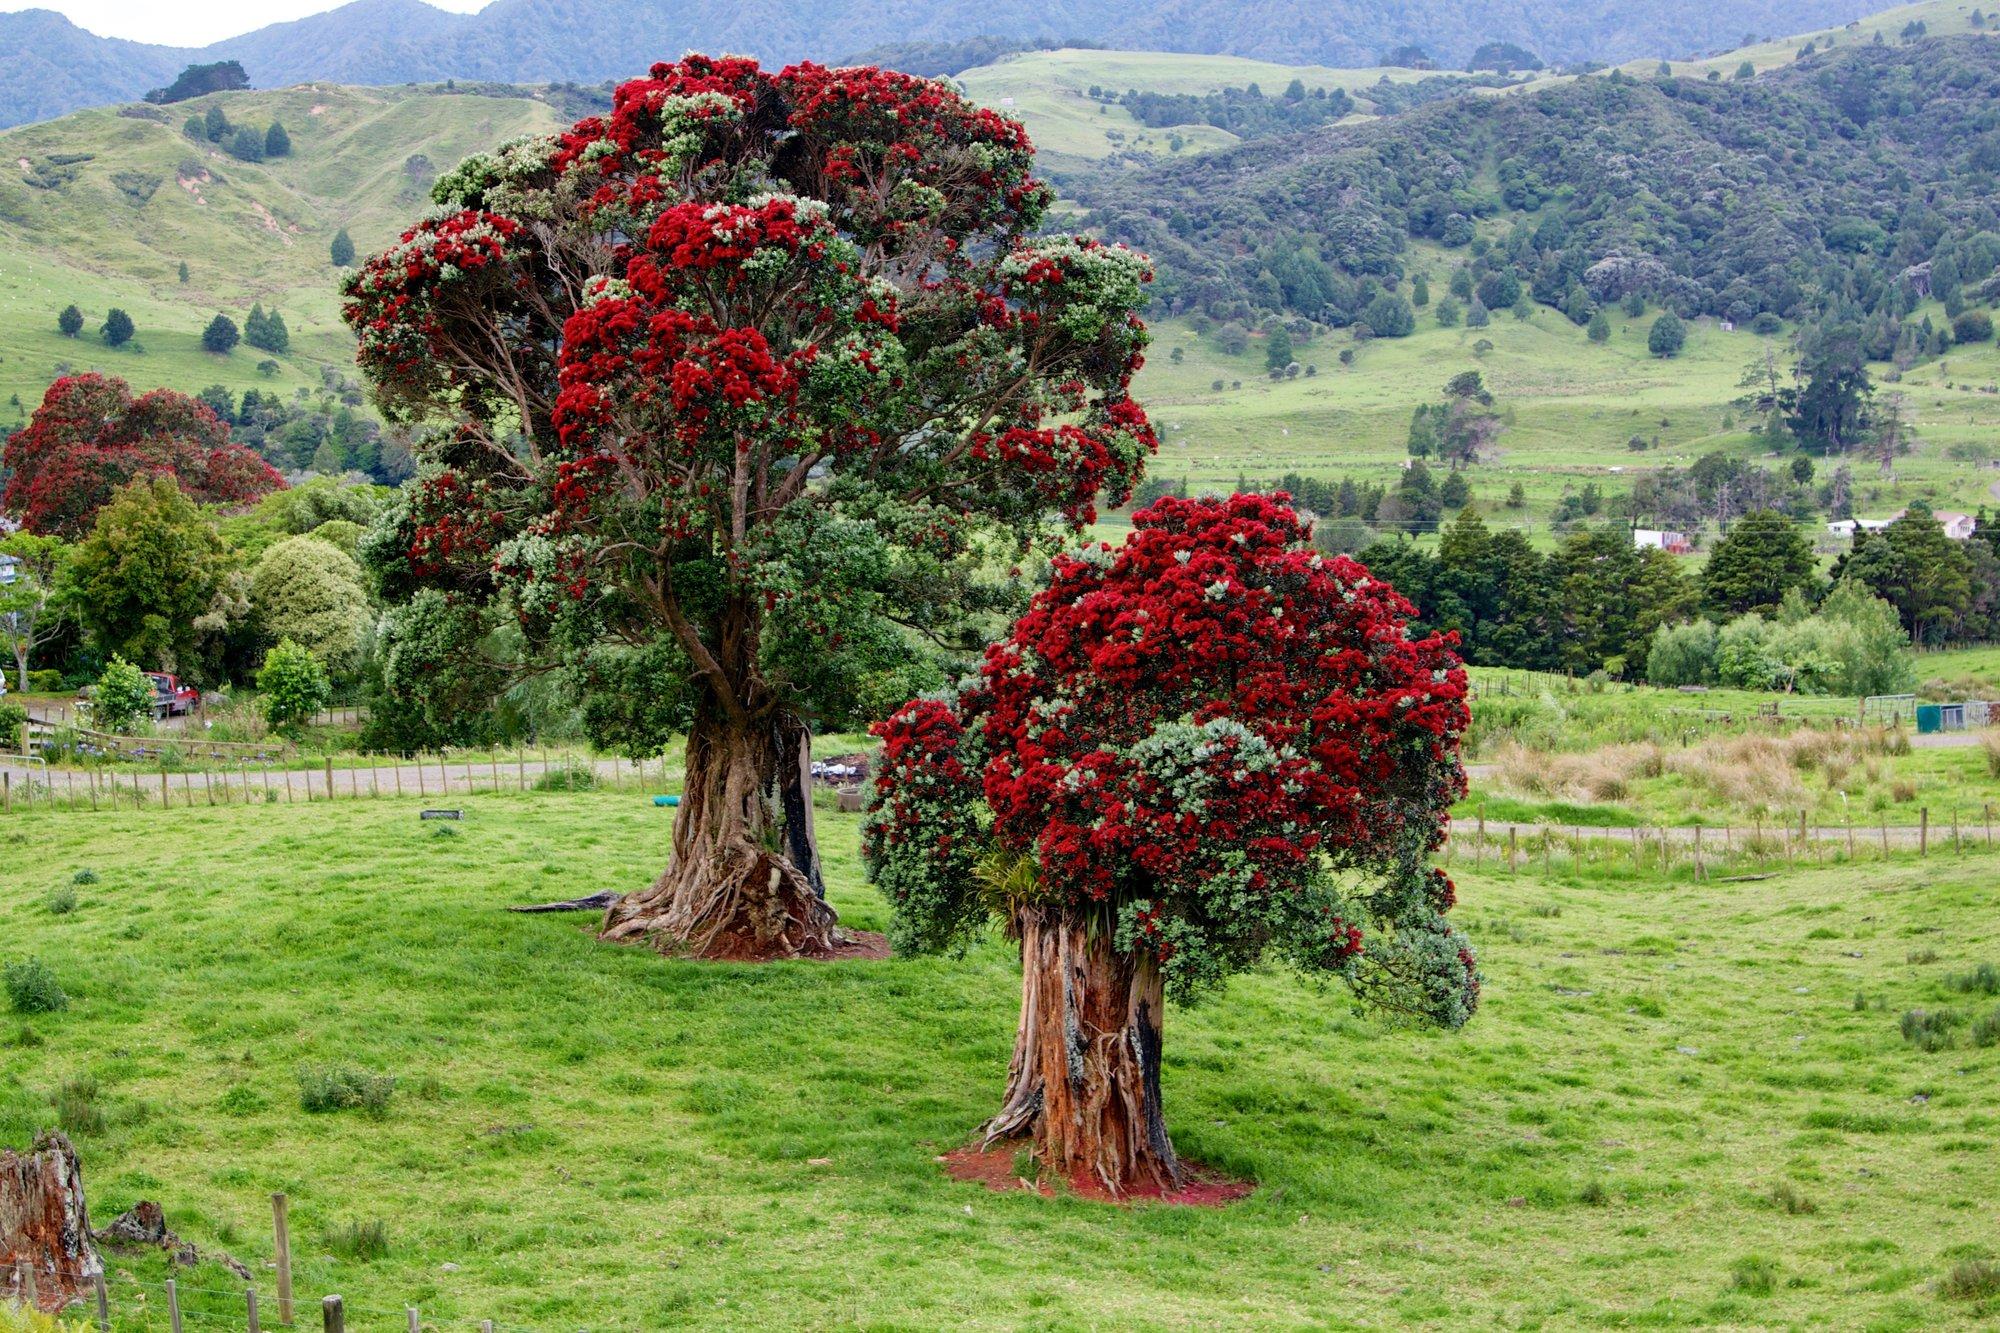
(90, 436)
(1212, 713)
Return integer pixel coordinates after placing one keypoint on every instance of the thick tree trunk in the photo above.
(1084, 1083)
(743, 881)
(45, 1249)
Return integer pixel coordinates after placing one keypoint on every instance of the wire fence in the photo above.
(113, 1299)
(1703, 852)
(29, 782)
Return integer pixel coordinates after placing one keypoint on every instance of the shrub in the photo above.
(295, 687)
(1667, 336)
(12, 718)
(1986, 1030)
(123, 697)
(1929, 1029)
(83, 876)
(61, 901)
(32, 988)
(326, 1088)
(363, 1242)
(1974, 326)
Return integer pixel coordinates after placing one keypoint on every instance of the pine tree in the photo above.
(1600, 328)
(70, 321)
(221, 335)
(1667, 335)
(277, 143)
(248, 145)
(184, 270)
(1420, 291)
(118, 328)
(342, 249)
(214, 125)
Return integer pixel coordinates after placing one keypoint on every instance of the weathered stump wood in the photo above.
(44, 1227)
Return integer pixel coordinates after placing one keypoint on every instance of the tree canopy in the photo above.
(91, 436)
(739, 397)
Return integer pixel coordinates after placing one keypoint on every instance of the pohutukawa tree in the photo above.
(745, 397)
(90, 436)
(1207, 746)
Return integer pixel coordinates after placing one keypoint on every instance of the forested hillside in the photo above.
(48, 66)
(1842, 174)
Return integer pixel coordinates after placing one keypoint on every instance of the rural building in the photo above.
(1957, 526)
(1673, 543)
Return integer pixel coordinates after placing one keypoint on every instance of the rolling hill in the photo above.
(48, 66)
(102, 207)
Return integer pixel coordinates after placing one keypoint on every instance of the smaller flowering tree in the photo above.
(90, 436)
(1206, 747)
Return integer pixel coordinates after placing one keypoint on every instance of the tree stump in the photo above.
(44, 1225)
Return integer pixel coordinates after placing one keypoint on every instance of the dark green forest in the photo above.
(1859, 180)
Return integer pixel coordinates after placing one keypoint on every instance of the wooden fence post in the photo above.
(288, 784)
(173, 1306)
(329, 777)
(1923, 831)
(333, 1315)
(1513, 835)
(493, 757)
(165, 803)
(250, 1310)
(281, 1230)
(7, 792)
(1479, 848)
(422, 794)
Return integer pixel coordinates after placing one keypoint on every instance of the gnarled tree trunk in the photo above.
(46, 1258)
(743, 881)
(1084, 1082)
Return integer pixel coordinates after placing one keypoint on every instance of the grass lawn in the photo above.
(1670, 1110)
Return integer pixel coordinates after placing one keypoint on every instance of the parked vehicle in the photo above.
(170, 697)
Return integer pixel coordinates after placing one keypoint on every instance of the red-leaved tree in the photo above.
(1207, 745)
(744, 398)
(90, 436)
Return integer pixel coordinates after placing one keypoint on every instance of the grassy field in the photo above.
(1048, 91)
(1574, 406)
(1672, 1110)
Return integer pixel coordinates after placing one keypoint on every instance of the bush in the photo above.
(32, 988)
(1986, 1029)
(12, 718)
(61, 900)
(123, 697)
(221, 335)
(295, 687)
(327, 1088)
(1753, 1275)
(1682, 655)
(1974, 326)
(84, 876)
(49, 681)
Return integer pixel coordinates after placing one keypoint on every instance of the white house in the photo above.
(1674, 543)
(1956, 526)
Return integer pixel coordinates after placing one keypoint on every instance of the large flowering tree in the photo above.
(745, 396)
(1206, 746)
(90, 436)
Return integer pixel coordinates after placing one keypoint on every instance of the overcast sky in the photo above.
(191, 22)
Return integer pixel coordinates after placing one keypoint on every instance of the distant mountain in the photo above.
(48, 66)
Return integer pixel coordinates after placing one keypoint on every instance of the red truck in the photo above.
(170, 697)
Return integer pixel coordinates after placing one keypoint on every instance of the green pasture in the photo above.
(1681, 1105)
